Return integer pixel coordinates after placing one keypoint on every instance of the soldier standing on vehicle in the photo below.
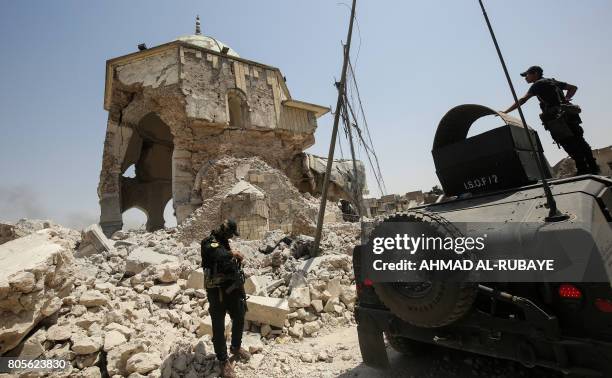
(560, 117)
(224, 283)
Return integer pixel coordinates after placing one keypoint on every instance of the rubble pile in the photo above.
(135, 304)
(259, 197)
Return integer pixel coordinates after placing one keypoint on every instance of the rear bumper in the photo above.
(500, 338)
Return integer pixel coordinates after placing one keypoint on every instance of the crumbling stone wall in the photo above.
(193, 92)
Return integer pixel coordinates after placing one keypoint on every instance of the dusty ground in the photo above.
(285, 360)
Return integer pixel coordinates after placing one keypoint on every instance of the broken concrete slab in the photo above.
(142, 257)
(93, 241)
(266, 310)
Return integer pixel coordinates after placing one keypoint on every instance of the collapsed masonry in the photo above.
(136, 303)
(178, 108)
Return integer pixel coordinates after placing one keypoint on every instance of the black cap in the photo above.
(533, 69)
(231, 226)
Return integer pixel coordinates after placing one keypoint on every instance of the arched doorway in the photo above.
(150, 152)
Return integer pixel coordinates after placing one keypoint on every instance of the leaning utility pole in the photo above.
(355, 184)
(332, 145)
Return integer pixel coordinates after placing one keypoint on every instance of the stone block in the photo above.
(93, 241)
(300, 297)
(164, 293)
(195, 280)
(257, 285)
(205, 327)
(266, 310)
(142, 257)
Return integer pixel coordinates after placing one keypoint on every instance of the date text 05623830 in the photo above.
(15, 364)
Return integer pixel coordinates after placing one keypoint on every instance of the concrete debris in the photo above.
(93, 298)
(196, 279)
(142, 257)
(93, 241)
(36, 271)
(205, 327)
(266, 310)
(139, 308)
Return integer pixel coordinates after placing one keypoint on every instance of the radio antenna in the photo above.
(554, 215)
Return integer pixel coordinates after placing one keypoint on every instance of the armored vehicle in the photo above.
(492, 179)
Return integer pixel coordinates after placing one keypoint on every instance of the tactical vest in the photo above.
(219, 267)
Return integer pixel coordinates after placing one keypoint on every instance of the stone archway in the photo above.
(150, 151)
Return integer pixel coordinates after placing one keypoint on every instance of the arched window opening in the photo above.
(134, 219)
(130, 172)
(238, 108)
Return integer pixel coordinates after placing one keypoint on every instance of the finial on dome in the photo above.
(198, 31)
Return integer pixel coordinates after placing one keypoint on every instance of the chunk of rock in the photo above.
(22, 281)
(118, 357)
(58, 333)
(205, 327)
(168, 272)
(195, 280)
(24, 301)
(300, 297)
(333, 305)
(334, 288)
(311, 327)
(142, 257)
(164, 293)
(33, 347)
(143, 363)
(93, 298)
(86, 345)
(266, 310)
(317, 305)
(112, 339)
(93, 241)
(252, 342)
(297, 330)
(348, 296)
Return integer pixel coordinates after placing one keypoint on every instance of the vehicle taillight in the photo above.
(569, 292)
(603, 305)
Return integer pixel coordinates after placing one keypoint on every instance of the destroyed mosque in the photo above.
(175, 111)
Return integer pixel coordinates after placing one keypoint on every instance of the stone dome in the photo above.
(206, 42)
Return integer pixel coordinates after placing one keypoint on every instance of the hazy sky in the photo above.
(414, 61)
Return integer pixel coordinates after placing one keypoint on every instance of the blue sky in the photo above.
(414, 61)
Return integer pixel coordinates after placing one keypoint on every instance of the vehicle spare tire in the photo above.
(433, 303)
